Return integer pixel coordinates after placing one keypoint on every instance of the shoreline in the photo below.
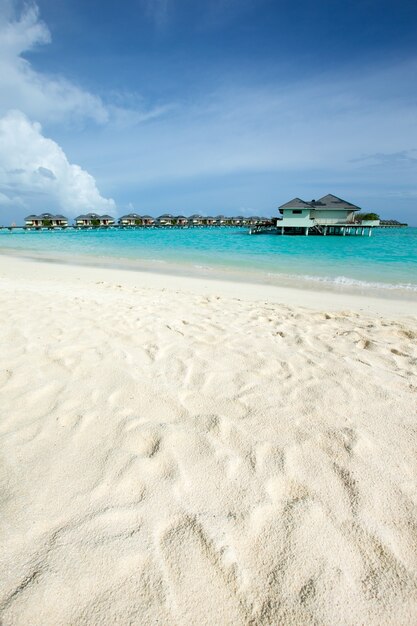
(376, 268)
(314, 295)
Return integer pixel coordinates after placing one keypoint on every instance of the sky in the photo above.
(221, 106)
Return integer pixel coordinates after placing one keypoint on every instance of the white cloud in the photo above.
(40, 96)
(35, 172)
(21, 35)
(54, 99)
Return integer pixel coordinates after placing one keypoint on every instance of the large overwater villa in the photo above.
(328, 215)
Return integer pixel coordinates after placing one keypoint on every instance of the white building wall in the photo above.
(301, 220)
(333, 216)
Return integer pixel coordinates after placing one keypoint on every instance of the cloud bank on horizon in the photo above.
(34, 169)
(184, 109)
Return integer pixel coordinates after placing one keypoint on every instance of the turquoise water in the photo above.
(387, 260)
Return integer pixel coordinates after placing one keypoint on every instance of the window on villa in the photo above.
(297, 211)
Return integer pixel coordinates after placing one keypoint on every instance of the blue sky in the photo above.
(224, 106)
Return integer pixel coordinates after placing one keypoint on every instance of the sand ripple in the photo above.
(170, 458)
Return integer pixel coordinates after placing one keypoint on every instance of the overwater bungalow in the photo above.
(209, 221)
(166, 220)
(238, 221)
(131, 219)
(221, 220)
(196, 220)
(107, 220)
(181, 220)
(94, 220)
(46, 220)
(328, 215)
(148, 220)
(392, 224)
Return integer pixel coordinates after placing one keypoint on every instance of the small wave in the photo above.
(344, 281)
(352, 282)
(203, 267)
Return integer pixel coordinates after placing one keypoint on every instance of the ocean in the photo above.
(384, 263)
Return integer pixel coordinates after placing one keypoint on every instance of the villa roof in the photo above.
(333, 202)
(148, 217)
(165, 215)
(46, 216)
(94, 216)
(130, 215)
(328, 202)
(196, 216)
(296, 203)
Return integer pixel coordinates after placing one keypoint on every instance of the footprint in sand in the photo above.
(203, 592)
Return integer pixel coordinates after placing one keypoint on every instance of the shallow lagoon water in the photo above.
(385, 261)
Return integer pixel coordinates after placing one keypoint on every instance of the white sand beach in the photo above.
(180, 452)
